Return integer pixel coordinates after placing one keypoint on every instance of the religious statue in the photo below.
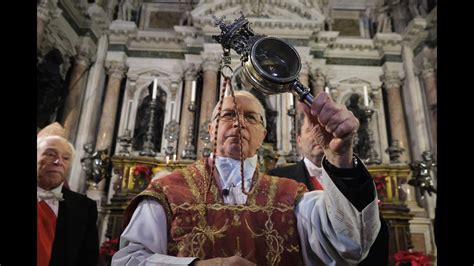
(422, 172)
(384, 20)
(125, 10)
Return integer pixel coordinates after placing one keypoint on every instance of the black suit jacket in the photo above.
(76, 241)
(378, 254)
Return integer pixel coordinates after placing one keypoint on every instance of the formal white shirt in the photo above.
(52, 203)
(332, 231)
(313, 170)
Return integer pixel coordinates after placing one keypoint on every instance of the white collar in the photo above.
(313, 170)
(229, 171)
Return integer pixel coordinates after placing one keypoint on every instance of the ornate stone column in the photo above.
(46, 11)
(319, 81)
(186, 116)
(398, 130)
(85, 52)
(116, 71)
(429, 82)
(88, 123)
(210, 67)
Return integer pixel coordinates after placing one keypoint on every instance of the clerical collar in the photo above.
(229, 171)
(313, 170)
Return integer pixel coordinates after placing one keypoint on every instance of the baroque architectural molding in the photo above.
(389, 42)
(415, 33)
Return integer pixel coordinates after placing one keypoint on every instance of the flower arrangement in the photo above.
(381, 187)
(107, 250)
(142, 174)
(411, 257)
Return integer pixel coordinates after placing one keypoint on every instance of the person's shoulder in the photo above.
(283, 170)
(72, 195)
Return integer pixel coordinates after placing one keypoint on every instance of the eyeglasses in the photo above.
(249, 117)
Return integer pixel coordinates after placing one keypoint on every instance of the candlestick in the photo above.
(155, 89)
(193, 91)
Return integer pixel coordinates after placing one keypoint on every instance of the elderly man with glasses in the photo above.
(234, 215)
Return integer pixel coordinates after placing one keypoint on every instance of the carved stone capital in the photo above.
(190, 71)
(211, 62)
(392, 79)
(427, 68)
(319, 77)
(116, 69)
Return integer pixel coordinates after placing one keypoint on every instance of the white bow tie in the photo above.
(45, 195)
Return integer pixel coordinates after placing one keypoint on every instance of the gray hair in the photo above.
(40, 140)
(245, 94)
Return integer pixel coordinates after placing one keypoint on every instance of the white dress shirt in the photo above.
(52, 203)
(331, 230)
(313, 170)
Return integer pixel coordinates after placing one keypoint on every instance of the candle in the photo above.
(174, 157)
(155, 89)
(290, 101)
(167, 159)
(366, 97)
(326, 89)
(193, 92)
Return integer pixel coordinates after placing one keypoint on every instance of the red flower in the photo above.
(416, 258)
(109, 248)
(142, 170)
(380, 186)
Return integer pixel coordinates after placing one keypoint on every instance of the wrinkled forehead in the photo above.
(244, 103)
(58, 145)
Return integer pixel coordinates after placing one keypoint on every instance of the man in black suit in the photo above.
(66, 220)
(308, 171)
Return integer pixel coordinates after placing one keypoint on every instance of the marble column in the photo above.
(429, 82)
(187, 117)
(116, 71)
(210, 68)
(72, 107)
(319, 81)
(89, 120)
(398, 130)
(46, 11)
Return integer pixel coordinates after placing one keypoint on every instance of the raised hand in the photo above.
(335, 126)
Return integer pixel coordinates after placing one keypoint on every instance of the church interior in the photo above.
(134, 83)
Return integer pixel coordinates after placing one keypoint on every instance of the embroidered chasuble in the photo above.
(262, 230)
